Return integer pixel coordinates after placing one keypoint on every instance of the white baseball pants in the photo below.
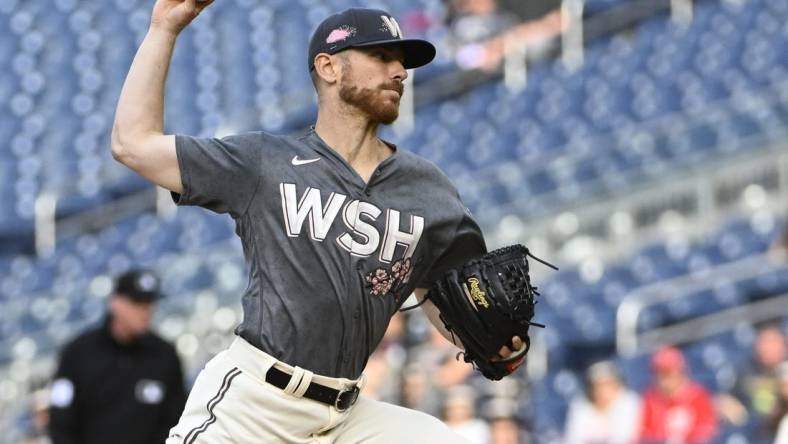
(230, 402)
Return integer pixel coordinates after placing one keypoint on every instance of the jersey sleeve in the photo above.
(465, 244)
(218, 174)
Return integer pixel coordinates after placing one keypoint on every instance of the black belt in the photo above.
(340, 399)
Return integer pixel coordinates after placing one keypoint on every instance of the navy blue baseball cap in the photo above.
(359, 28)
(138, 286)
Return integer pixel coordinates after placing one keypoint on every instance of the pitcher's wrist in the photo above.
(161, 30)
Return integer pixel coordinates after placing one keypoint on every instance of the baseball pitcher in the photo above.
(338, 228)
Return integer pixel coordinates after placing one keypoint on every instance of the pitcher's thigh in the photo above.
(201, 418)
(244, 410)
(376, 422)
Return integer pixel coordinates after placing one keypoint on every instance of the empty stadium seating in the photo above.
(662, 96)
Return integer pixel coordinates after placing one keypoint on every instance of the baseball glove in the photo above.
(485, 303)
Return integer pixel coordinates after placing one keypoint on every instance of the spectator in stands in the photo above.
(385, 364)
(435, 369)
(417, 392)
(505, 430)
(473, 24)
(530, 10)
(479, 31)
(754, 396)
(118, 383)
(504, 426)
(460, 415)
(675, 408)
(475, 21)
(608, 414)
(780, 419)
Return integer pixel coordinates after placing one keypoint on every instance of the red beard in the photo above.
(373, 101)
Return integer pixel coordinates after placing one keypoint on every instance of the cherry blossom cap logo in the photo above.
(359, 28)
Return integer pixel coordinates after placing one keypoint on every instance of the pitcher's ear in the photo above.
(327, 67)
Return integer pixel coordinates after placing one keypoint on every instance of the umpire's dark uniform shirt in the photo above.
(107, 392)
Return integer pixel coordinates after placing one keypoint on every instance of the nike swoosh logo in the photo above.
(296, 161)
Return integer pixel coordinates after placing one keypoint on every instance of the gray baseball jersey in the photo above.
(331, 257)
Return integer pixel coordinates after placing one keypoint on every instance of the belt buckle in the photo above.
(344, 402)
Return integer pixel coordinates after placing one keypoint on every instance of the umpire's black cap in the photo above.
(138, 285)
(360, 27)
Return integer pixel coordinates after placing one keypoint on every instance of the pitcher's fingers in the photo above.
(517, 343)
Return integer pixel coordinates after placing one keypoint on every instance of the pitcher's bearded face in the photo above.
(368, 85)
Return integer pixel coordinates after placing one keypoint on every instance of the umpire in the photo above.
(119, 383)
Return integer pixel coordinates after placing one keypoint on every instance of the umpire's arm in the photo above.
(138, 139)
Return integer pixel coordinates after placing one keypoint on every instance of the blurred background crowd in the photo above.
(642, 145)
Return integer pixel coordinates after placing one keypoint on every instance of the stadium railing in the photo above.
(629, 341)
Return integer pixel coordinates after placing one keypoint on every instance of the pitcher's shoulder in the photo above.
(259, 138)
(425, 169)
(271, 146)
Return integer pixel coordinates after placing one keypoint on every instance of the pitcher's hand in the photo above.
(505, 352)
(174, 15)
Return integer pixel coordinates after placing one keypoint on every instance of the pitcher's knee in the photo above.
(375, 422)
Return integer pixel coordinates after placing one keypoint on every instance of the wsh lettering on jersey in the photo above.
(356, 216)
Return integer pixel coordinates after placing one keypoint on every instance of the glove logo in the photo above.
(476, 293)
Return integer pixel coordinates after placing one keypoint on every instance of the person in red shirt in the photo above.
(676, 409)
